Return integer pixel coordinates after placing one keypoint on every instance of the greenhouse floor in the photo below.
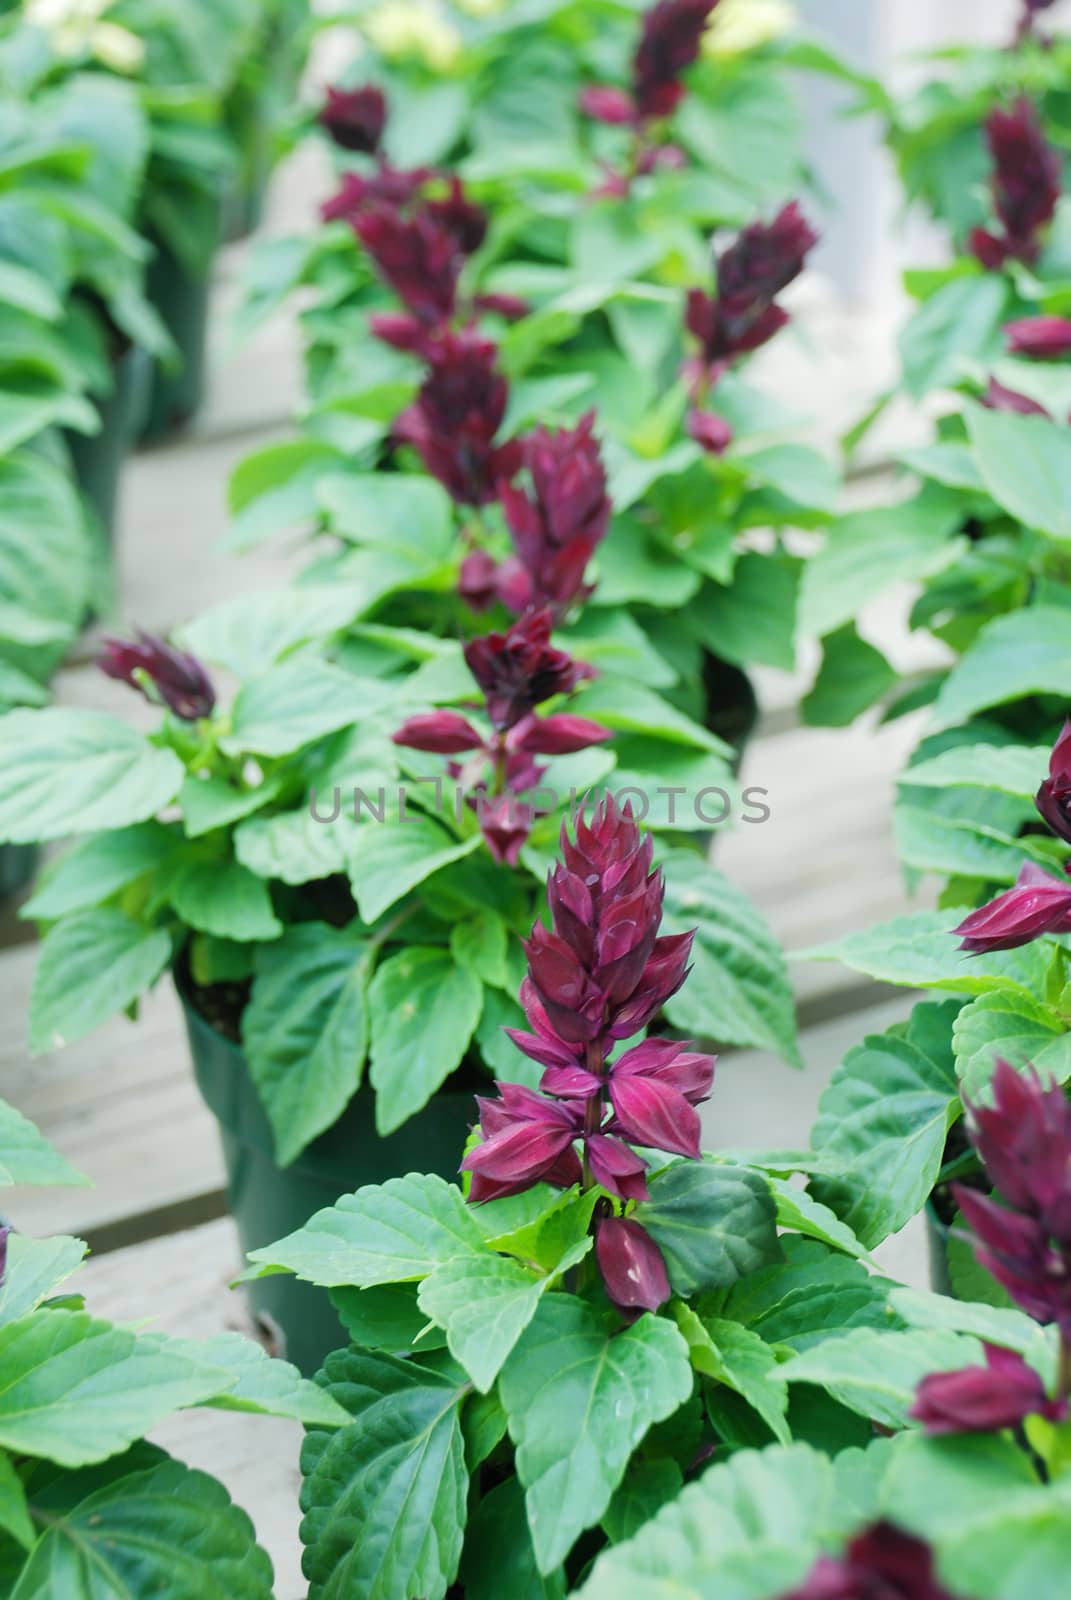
(122, 1104)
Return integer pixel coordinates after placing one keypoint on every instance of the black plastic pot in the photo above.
(732, 707)
(98, 458)
(937, 1233)
(268, 1201)
(18, 863)
(181, 296)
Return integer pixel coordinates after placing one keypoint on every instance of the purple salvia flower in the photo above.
(179, 679)
(1002, 1394)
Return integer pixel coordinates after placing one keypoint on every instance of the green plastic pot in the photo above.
(181, 296)
(98, 458)
(268, 1201)
(18, 863)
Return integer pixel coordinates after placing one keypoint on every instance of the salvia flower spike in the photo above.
(161, 672)
(454, 421)
(557, 526)
(1053, 799)
(670, 41)
(1002, 1394)
(598, 975)
(1025, 186)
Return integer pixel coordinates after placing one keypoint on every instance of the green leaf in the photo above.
(165, 1529)
(277, 488)
(935, 1487)
(257, 1383)
(747, 1529)
(485, 1303)
(630, 708)
(212, 802)
(91, 966)
(252, 632)
(883, 1122)
(1016, 1027)
(395, 1232)
(853, 675)
(734, 1355)
(877, 1374)
(97, 868)
(799, 1211)
(713, 1224)
(224, 898)
(26, 1155)
(295, 703)
(305, 1031)
(400, 511)
(386, 1318)
(1023, 653)
(65, 772)
(608, 1387)
(959, 323)
(1026, 464)
(754, 618)
(739, 991)
(802, 475)
(480, 943)
(77, 1390)
(14, 1511)
(499, 1559)
(387, 860)
(34, 1268)
(921, 952)
(931, 840)
(422, 1012)
(646, 1487)
(385, 1498)
(865, 552)
(295, 846)
(1011, 769)
(1011, 1330)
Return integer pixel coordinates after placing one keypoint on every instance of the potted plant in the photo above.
(327, 896)
(608, 1339)
(87, 1499)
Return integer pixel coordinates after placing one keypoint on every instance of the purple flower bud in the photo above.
(1038, 904)
(631, 1264)
(5, 1233)
(618, 1169)
(557, 528)
(605, 104)
(1053, 799)
(1024, 1141)
(710, 431)
(661, 158)
(444, 733)
(355, 118)
(1039, 337)
(560, 735)
(456, 416)
(984, 1399)
(463, 219)
(1025, 186)
(418, 256)
(651, 1112)
(508, 306)
(526, 1137)
(1017, 1250)
(882, 1563)
(669, 1061)
(765, 259)
(506, 825)
(670, 41)
(401, 331)
(998, 397)
(520, 668)
(179, 680)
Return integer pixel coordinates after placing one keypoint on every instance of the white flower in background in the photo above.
(740, 25)
(414, 28)
(76, 28)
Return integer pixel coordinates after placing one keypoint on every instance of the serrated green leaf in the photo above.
(1011, 769)
(91, 966)
(26, 1155)
(258, 1383)
(97, 868)
(737, 1356)
(1023, 653)
(77, 1390)
(295, 847)
(394, 1232)
(225, 899)
(385, 1498)
(422, 1012)
(1016, 1027)
(713, 1224)
(877, 1374)
(252, 632)
(611, 1385)
(387, 861)
(1025, 462)
(34, 1268)
(295, 703)
(480, 944)
(65, 772)
(305, 1030)
(920, 951)
(884, 1119)
(499, 1559)
(165, 1529)
(739, 990)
